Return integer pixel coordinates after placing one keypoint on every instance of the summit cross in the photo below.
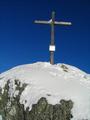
(52, 23)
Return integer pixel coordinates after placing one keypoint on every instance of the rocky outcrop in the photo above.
(11, 109)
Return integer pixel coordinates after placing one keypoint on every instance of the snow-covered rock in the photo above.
(53, 82)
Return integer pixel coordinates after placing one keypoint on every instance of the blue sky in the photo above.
(23, 42)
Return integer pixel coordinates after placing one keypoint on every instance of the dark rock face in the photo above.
(11, 109)
(44, 111)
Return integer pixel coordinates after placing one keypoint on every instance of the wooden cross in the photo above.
(52, 23)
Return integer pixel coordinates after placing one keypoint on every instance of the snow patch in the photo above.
(0, 117)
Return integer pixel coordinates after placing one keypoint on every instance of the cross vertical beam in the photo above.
(52, 39)
(52, 23)
(52, 28)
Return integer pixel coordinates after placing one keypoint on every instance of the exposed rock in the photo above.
(65, 68)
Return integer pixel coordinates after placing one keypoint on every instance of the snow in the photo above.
(0, 117)
(54, 82)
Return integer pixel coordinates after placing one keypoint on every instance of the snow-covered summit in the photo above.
(54, 82)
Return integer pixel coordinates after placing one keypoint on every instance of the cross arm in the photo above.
(41, 22)
(62, 23)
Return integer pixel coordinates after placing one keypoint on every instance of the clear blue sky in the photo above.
(23, 42)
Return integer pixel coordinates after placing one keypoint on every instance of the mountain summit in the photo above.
(52, 82)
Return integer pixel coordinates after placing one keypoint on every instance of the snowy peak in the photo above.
(64, 68)
(41, 74)
(54, 82)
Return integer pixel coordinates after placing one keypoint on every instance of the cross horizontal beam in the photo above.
(51, 22)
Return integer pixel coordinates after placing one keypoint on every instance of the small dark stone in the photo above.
(65, 68)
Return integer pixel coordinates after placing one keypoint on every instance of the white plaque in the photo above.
(52, 48)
